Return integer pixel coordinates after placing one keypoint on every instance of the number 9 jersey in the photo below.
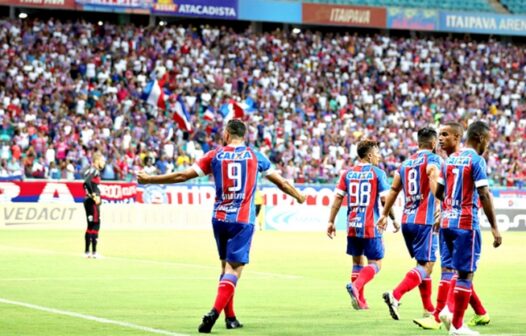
(363, 185)
(235, 172)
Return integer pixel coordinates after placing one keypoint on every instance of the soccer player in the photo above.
(462, 183)
(92, 204)
(364, 185)
(449, 139)
(234, 167)
(417, 177)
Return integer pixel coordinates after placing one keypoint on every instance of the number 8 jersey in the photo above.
(420, 203)
(235, 172)
(363, 184)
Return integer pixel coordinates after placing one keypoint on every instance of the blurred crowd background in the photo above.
(70, 88)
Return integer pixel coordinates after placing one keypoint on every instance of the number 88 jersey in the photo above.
(420, 203)
(363, 184)
(235, 172)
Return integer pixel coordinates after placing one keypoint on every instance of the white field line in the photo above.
(90, 318)
(153, 262)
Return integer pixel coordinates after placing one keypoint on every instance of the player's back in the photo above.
(420, 203)
(461, 174)
(235, 172)
(363, 184)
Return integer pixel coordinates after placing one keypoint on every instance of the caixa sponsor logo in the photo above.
(513, 220)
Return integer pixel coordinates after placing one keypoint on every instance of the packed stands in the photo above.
(69, 88)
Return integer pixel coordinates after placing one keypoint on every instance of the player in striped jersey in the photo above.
(234, 167)
(450, 135)
(364, 185)
(462, 183)
(417, 177)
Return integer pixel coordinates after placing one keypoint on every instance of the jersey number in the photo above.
(412, 184)
(234, 173)
(359, 193)
(455, 172)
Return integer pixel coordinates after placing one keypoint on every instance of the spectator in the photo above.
(80, 91)
(4, 172)
(14, 168)
(54, 172)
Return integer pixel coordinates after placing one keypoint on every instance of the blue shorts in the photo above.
(446, 254)
(372, 248)
(460, 248)
(233, 240)
(421, 241)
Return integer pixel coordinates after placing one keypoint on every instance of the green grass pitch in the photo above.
(162, 282)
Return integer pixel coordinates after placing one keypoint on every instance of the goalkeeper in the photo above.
(92, 204)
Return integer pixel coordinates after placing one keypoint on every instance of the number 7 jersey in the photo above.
(363, 184)
(235, 172)
(460, 175)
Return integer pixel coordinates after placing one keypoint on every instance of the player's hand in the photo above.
(301, 199)
(382, 223)
(331, 230)
(497, 239)
(396, 226)
(96, 199)
(142, 177)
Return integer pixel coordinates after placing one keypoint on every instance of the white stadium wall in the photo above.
(43, 204)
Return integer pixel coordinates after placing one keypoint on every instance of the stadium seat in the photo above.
(515, 6)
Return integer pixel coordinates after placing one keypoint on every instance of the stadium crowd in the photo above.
(67, 88)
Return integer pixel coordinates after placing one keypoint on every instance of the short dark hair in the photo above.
(365, 146)
(426, 135)
(456, 126)
(477, 130)
(236, 127)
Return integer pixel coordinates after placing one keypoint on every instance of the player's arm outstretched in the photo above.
(489, 210)
(388, 202)
(285, 186)
(177, 177)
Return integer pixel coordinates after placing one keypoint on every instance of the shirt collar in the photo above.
(236, 146)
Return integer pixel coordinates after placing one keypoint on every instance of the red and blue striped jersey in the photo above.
(235, 172)
(362, 184)
(420, 203)
(461, 174)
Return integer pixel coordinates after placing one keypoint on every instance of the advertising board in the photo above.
(54, 4)
(412, 18)
(482, 23)
(213, 9)
(270, 11)
(356, 16)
